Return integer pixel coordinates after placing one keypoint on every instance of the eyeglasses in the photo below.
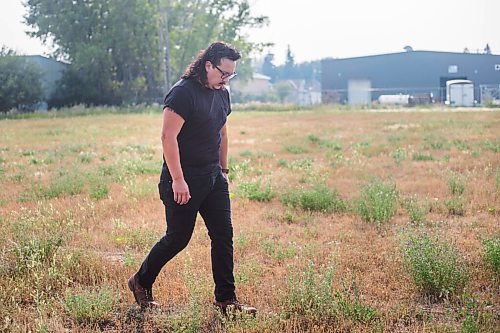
(225, 75)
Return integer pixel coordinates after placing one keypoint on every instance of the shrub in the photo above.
(320, 198)
(378, 202)
(435, 266)
(90, 306)
(492, 253)
(21, 82)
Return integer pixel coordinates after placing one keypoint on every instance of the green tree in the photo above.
(268, 68)
(114, 47)
(194, 24)
(20, 82)
(288, 70)
(118, 49)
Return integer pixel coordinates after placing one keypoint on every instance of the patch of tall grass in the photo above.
(435, 266)
(492, 253)
(92, 305)
(377, 202)
(311, 297)
(255, 191)
(319, 198)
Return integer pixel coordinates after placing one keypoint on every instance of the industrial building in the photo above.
(422, 76)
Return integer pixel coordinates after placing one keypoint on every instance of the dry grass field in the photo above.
(345, 221)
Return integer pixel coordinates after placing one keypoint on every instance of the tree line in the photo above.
(132, 51)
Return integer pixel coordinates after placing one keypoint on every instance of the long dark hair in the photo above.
(214, 53)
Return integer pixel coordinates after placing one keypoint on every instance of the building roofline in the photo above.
(410, 52)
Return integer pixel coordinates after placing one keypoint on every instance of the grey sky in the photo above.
(320, 28)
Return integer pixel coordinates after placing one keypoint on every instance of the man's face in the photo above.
(219, 75)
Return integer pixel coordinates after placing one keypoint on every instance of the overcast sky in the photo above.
(316, 29)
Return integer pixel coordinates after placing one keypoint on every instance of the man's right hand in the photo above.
(181, 191)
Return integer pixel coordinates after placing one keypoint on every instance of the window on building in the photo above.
(497, 67)
(452, 69)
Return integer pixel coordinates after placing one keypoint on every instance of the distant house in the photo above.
(305, 92)
(51, 71)
(420, 74)
(259, 84)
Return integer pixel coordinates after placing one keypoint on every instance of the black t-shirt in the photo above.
(204, 111)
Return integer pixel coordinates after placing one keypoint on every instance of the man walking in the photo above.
(194, 176)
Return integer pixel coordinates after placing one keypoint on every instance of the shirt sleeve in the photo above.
(180, 101)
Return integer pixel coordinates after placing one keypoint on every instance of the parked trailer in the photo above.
(459, 93)
(394, 99)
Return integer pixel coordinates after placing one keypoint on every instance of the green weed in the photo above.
(422, 157)
(460, 145)
(455, 206)
(141, 167)
(139, 188)
(417, 212)
(237, 169)
(492, 253)
(35, 251)
(313, 138)
(493, 145)
(304, 164)
(377, 202)
(330, 144)
(294, 149)
(349, 305)
(98, 190)
(278, 250)
(85, 157)
(435, 142)
(91, 306)
(320, 198)
(246, 153)
(436, 267)
(254, 191)
(138, 239)
(66, 184)
(309, 294)
(399, 155)
(456, 184)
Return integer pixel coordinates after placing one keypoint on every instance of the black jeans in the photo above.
(209, 197)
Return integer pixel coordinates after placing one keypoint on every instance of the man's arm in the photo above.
(172, 124)
(223, 149)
